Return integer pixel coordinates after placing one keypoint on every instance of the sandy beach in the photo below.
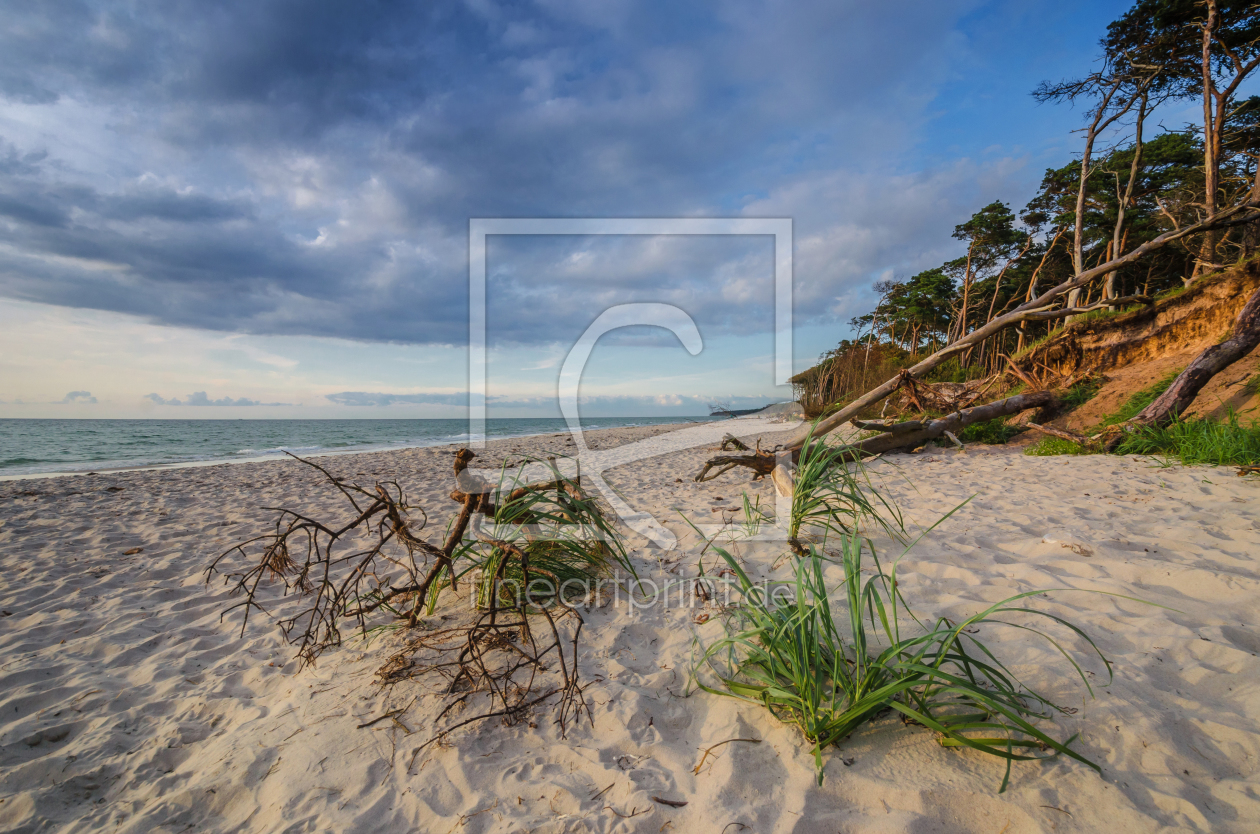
(127, 704)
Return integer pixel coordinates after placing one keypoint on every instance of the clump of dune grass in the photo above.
(993, 432)
(1049, 446)
(754, 516)
(558, 570)
(830, 673)
(1134, 405)
(1197, 441)
(833, 494)
(562, 532)
(1082, 392)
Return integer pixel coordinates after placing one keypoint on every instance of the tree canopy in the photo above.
(1134, 187)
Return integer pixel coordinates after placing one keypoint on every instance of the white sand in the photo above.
(126, 705)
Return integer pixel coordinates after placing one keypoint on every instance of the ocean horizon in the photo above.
(32, 447)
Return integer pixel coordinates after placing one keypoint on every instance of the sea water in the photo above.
(33, 447)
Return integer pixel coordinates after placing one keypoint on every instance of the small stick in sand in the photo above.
(673, 803)
(696, 769)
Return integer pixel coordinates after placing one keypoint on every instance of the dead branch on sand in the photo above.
(384, 570)
(761, 463)
(374, 572)
(501, 656)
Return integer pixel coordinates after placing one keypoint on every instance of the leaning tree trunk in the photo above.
(1244, 339)
(1031, 309)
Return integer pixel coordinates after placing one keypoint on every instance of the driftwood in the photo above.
(896, 436)
(730, 441)
(761, 463)
(784, 483)
(1237, 215)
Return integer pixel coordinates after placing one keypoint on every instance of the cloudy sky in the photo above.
(260, 209)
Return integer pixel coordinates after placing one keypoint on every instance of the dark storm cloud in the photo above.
(178, 208)
(310, 167)
(325, 60)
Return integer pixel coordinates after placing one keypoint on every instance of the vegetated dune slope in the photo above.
(1135, 350)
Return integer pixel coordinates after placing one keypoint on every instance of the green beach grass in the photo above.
(829, 659)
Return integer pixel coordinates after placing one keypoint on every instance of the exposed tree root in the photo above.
(501, 658)
(941, 396)
(306, 556)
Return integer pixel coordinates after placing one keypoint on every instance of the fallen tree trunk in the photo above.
(898, 436)
(896, 428)
(951, 423)
(1242, 340)
(1234, 216)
